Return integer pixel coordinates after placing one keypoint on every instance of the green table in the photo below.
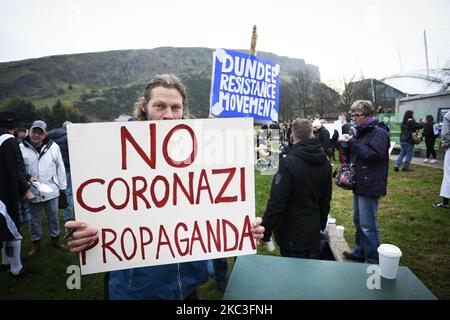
(258, 277)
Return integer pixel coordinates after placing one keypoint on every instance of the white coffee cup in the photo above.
(389, 256)
(340, 231)
(270, 245)
(331, 221)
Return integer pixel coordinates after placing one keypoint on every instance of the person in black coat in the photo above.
(323, 136)
(300, 196)
(13, 185)
(430, 138)
(59, 136)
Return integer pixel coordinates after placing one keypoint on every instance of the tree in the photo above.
(286, 101)
(57, 116)
(347, 95)
(324, 102)
(302, 82)
(24, 109)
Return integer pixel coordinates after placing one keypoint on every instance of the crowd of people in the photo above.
(35, 178)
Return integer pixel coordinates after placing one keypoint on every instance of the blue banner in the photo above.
(244, 86)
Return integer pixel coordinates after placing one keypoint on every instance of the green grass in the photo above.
(406, 219)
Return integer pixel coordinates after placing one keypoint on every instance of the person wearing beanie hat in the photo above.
(321, 133)
(316, 124)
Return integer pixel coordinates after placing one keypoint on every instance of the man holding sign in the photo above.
(164, 99)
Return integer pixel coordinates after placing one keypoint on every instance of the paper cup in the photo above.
(389, 256)
(331, 221)
(340, 231)
(270, 245)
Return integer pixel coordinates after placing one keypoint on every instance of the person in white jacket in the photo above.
(445, 187)
(44, 163)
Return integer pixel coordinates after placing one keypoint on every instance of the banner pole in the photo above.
(253, 42)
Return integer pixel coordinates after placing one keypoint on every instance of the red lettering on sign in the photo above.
(226, 223)
(190, 159)
(201, 187)
(177, 182)
(83, 253)
(144, 243)
(196, 236)
(243, 184)
(185, 240)
(247, 233)
(122, 244)
(220, 198)
(221, 236)
(125, 136)
(139, 192)
(118, 196)
(127, 194)
(80, 195)
(210, 235)
(160, 203)
(162, 232)
(107, 245)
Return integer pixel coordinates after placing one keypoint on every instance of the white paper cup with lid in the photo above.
(340, 231)
(389, 256)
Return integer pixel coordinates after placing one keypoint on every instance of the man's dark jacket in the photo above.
(323, 136)
(60, 137)
(300, 197)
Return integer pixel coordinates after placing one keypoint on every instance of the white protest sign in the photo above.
(337, 125)
(161, 192)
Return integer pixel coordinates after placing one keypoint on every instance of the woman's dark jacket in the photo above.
(369, 151)
(428, 131)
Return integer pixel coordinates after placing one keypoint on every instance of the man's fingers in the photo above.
(75, 225)
(257, 222)
(81, 244)
(84, 233)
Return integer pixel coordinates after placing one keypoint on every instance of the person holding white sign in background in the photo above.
(430, 135)
(164, 99)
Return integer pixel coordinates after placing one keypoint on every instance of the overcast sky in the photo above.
(342, 37)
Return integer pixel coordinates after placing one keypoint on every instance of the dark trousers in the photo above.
(429, 143)
(305, 254)
(220, 269)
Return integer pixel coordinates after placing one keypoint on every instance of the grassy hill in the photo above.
(105, 84)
